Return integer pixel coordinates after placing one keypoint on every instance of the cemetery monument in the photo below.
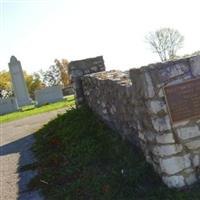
(18, 82)
(48, 95)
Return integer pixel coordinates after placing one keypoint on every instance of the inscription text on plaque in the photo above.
(183, 100)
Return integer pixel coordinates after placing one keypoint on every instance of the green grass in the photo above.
(80, 158)
(32, 110)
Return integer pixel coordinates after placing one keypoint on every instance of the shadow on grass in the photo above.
(22, 147)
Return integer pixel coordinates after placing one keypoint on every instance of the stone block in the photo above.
(175, 164)
(196, 160)
(195, 65)
(165, 138)
(195, 144)
(161, 93)
(167, 150)
(149, 88)
(156, 106)
(161, 124)
(76, 73)
(174, 181)
(141, 136)
(150, 136)
(190, 179)
(171, 70)
(188, 132)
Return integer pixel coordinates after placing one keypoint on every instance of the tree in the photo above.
(33, 83)
(52, 76)
(64, 74)
(57, 74)
(165, 42)
(5, 84)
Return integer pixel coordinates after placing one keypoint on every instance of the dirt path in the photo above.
(16, 138)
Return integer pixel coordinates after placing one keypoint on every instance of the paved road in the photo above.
(16, 139)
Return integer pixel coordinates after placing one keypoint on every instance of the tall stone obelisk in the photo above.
(18, 82)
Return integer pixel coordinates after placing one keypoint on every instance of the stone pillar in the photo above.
(18, 82)
(78, 69)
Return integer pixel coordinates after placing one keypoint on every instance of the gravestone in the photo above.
(48, 95)
(18, 82)
(8, 105)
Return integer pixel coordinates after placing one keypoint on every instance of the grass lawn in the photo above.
(32, 110)
(80, 158)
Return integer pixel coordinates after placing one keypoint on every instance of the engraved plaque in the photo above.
(183, 100)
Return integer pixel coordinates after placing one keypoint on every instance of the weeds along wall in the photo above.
(133, 103)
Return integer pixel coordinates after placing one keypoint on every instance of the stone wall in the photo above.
(134, 104)
(8, 105)
(68, 90)
(110, 94)
(78, 69)
(172, 148)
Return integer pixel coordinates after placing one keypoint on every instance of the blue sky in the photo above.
(38, 31)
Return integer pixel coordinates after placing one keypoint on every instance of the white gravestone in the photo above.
(48, 95)
(8, 105)
(18, 82)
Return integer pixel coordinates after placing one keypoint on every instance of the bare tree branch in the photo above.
(165, 42)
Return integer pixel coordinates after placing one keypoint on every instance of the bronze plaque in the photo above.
(183, 100)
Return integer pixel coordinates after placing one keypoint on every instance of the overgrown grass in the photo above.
(80, 158)
(32, 110)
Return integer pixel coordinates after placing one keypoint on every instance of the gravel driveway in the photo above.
(16, 138)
